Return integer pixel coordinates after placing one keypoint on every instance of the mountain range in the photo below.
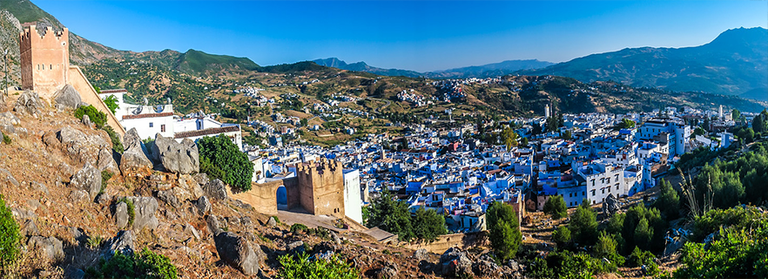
(488, 70)
(735, 63)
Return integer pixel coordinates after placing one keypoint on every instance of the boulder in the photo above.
(486, 268)
(237, 252)
(29, 228)
(7, 177)
(28, 103)
(295, 247)
(123, 242)
(215, 189)
(80, 146)
(201, 178)
(389, 271)
(40, 187)
(67, 97)
(176, 157)
(611, 205)
(455, 263)
(50, 248)
(272, 222)
(213, 225)
(103, 199)
(421, 255)
(78, 196)
(134, 161)
(106, 162)
(87, 121)
(144, 213)
(121, 215)
(168, 197)
(203, 205)
(191, 231)
(87, 179)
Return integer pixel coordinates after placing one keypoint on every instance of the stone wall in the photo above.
(263, 196)
(461, 240)
(89, 95)
(321, 187)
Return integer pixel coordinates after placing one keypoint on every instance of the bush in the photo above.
(131, 210)
(555, 206)
(562, 236)
(145, 264)
(668, 202)
(640, 226)
(302, 267)
(607, 247)
(505, 235)
(735, 253)
(392, 215)
(566, 264)
(298, 228)
(6, 139)
(9, 236)
(640, 258)
(97, 117)
(737, 217)
(428, 225)
(220, 152)
(117, 145)
(105, 176)
(583, 224)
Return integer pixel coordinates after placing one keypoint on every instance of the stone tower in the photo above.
(321, 187)
(44, 59)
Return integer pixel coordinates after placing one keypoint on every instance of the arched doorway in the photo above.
(282, 198)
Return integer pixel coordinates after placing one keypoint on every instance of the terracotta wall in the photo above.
(461, 240)
(78, 80)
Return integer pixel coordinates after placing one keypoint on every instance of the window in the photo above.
(151, 124)
(593, 182)
(50, 66)
(603, 190)
(617, 186)
(608, 181)
(609, 189)
(584, 193)
(162, 128)
(593, 192)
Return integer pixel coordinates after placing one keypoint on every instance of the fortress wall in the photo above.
(89, 95)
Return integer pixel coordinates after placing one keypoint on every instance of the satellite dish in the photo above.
(138, 110)
(159, 108)
(146, 102)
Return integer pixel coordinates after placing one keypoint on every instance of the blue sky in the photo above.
(421, 36)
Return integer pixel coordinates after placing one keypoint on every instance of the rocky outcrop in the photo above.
(176, 157)
(50, 248)
(421, 255)
(215, 189)
(611, 205)
(389, 271)
(144, 213)
(237, 252)
(203, 205)
(123, 243)
(90, 149)
(68, 97)
(455, 263)
(87, 121)
(87, 179)
(28, 103)
(134, 160)
(121, 215)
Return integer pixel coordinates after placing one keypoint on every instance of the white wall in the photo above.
(353, 206)
(142, 126)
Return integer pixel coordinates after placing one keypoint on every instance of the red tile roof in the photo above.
(209, 131)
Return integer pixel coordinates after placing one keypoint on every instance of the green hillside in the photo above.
(196, 62)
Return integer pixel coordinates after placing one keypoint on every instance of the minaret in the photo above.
(546, 111)
(720, 113)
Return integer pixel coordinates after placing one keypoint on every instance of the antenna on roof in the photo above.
(146, 102)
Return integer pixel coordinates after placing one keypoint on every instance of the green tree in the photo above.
(428, 225)
(303, 122)
(668, 201)
(9, 236)
(144, 264)
(111, 103)
(735, 115)
(301, 266)
(562, 236)
(509, 138)
(567, 135)
(759, 122)
(643, 232)
(607, 247)
(583, 224)
(626, 124)
(524, 142)
(505, 235)
(97, 117)
(555, 206)
(392, 215)
(223, 160)
(699, 131)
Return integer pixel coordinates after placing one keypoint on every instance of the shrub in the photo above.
(607, 247)
(298, 228)
(97, 117)
(428, 225)
(643, 258)
(95, 242)
(131, 210)
(302, 267)
(555, 206)
(9, 236)
(566, 264)
(392, 215)
(221, 153)
(735, 253)
(117, 145)
(6, 139)
(505, 235)
(737, 217)
(562, 236)
(583, 225)
(668, 202)
(145, 264)
(105, 176)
